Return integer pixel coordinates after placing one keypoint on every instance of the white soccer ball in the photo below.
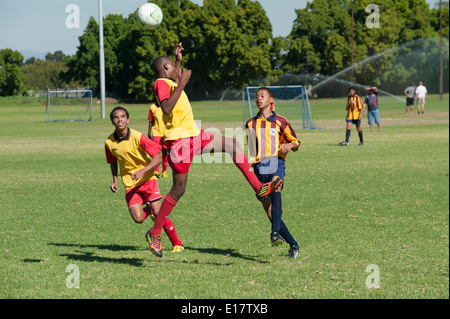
(150, 15)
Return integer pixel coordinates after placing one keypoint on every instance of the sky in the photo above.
(40, 25)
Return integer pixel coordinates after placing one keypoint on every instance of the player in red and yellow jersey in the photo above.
(270, 139)
(130, 151)
(156, 128)
(183, 139)
(355, 110)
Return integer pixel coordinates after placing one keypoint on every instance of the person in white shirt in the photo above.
(422, 95)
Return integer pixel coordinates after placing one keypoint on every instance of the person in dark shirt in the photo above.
(373, 112)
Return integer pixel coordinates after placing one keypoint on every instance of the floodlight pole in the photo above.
(441, 76)
(353, 38)
(102, 59)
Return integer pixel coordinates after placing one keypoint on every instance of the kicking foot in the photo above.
(154, 243)
(267, 189)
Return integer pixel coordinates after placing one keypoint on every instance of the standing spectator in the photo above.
(422, 95)
(373, 111)
(410, 93)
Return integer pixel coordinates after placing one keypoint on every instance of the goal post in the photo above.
(69, 106)
(291, 102)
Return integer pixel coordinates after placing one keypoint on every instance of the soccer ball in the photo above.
(150, 15)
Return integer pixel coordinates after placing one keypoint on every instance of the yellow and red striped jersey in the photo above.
(266, 135)
(354, 107)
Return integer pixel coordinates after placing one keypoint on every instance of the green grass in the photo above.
(386, 203)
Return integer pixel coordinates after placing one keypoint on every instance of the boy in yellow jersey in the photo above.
(156, 129)
(131, 151)
(270, 138)
(355, 110)
(183, 139)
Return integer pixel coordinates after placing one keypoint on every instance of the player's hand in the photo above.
(178, 49)
(137, 175)
(286, 148)
(114, 187)
(184, 76)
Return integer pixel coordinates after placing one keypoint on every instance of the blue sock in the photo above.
(360, 134)
(284, 232)
(347, 135)
(276, 212)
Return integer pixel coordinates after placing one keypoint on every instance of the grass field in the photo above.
(385, 204)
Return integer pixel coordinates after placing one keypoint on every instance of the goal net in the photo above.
(291, 102)
(69, 106)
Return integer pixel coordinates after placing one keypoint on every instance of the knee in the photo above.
(138, 219)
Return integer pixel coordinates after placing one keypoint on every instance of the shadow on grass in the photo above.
(89, 256)
(100, 247)
(226, 252)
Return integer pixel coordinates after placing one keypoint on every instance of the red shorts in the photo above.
(159, 140)
(182, 151)
(143, 194)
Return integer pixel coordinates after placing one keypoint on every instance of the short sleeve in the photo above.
(162, 90)
(149, 146)
(110, 158)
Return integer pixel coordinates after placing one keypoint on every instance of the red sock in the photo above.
(165, 162)
(242, 163)
(147, 211)
(166, 208)
(169, 228)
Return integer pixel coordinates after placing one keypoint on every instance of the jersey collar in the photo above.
(270, 118)
(119, 139)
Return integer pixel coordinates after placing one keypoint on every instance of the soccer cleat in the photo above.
(155, 244)
(293, 252)
(164, 174)
(344, 143)
(177, 249)
(276, 239)
(267, 189)
(157, 174)
(361, 143)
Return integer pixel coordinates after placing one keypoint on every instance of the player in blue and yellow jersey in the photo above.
(270, 139)
(183, 139)
(137, 157)
(355, 110)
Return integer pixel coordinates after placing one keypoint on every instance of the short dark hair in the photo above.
(352, 88)
(116, 109)
(268, 90)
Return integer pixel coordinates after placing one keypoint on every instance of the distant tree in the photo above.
(12, 82)
(445, 18)
(43, 74)
(320, 40)
(57, 56)
(228, 44)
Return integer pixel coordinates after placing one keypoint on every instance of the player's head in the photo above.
(119, 117)
(264, 97)
(165, 67)
(352, 91)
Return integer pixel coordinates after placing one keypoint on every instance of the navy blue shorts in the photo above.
(356, 122)
(268, 168)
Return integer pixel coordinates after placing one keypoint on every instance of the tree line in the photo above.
(229, 44)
